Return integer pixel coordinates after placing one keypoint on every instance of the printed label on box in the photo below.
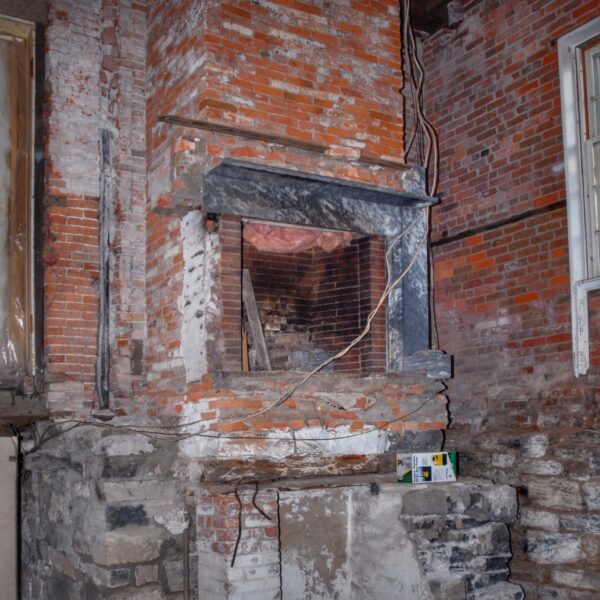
(426, 467)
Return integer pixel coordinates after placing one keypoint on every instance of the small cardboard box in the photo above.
(426, 467)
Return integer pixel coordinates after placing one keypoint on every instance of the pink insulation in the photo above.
(275, 238)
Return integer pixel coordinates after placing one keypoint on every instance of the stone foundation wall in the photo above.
(439, 542)
(103, 517)
(105, 514)
(556, 540)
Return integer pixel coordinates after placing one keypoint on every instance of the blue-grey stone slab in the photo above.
(415, 285)
(296, 198)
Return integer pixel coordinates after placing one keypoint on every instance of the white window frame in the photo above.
(577, 178)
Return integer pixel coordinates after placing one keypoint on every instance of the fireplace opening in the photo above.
(307, 294)
(312, 254)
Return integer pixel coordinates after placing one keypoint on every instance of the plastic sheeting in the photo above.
(14, 208)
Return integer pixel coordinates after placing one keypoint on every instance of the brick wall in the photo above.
(326, 73)
(502, 295)
(103, 88)
(282, 284)
(349, 283)
(247, 64)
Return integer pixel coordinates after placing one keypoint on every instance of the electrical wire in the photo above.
(431, 157)
(389, 287)
(206, 433)
(416, 74)
(240, 509)
(431, 153)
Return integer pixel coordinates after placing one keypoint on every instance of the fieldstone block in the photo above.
(174, 575)
(500, 591)
(120, 577)
(496, 541)
(594, 463)
(428, 501)
(494, 503)
(107, 578)
(47, 463)
(447, 589)
(126, 445)
(585, 523)
(60, 586)
(591, 495)
(146, 574)
(139, 491)
(556, 494)
(503, 460)
(534, 445)
(119, 467)
(539, 519)
(553, 548)
(541, 467)
(577, 579)
(485, 581)
(173, 570)
(459, 499)
(121, 516)
(586, 437)
(548, 593)
(131, 544)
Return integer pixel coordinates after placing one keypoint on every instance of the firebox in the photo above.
(304, 260)
(313, 290)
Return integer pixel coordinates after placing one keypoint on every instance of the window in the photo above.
(579, 64)
(591, 145)
(17, 349)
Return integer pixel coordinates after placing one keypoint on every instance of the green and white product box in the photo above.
(426, 467)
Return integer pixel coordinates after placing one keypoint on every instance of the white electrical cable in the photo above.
(390, 286)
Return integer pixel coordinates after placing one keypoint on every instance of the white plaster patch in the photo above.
(279, 444)
(126, 445)
(174, 521)
(347, 543)
(195, 303)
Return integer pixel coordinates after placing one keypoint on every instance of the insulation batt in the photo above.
(274, 238)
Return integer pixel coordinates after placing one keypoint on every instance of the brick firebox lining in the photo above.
(312, 303)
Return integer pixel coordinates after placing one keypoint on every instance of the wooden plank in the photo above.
(21, 410)
(245, 358)
(262, 357)
(29, 10)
